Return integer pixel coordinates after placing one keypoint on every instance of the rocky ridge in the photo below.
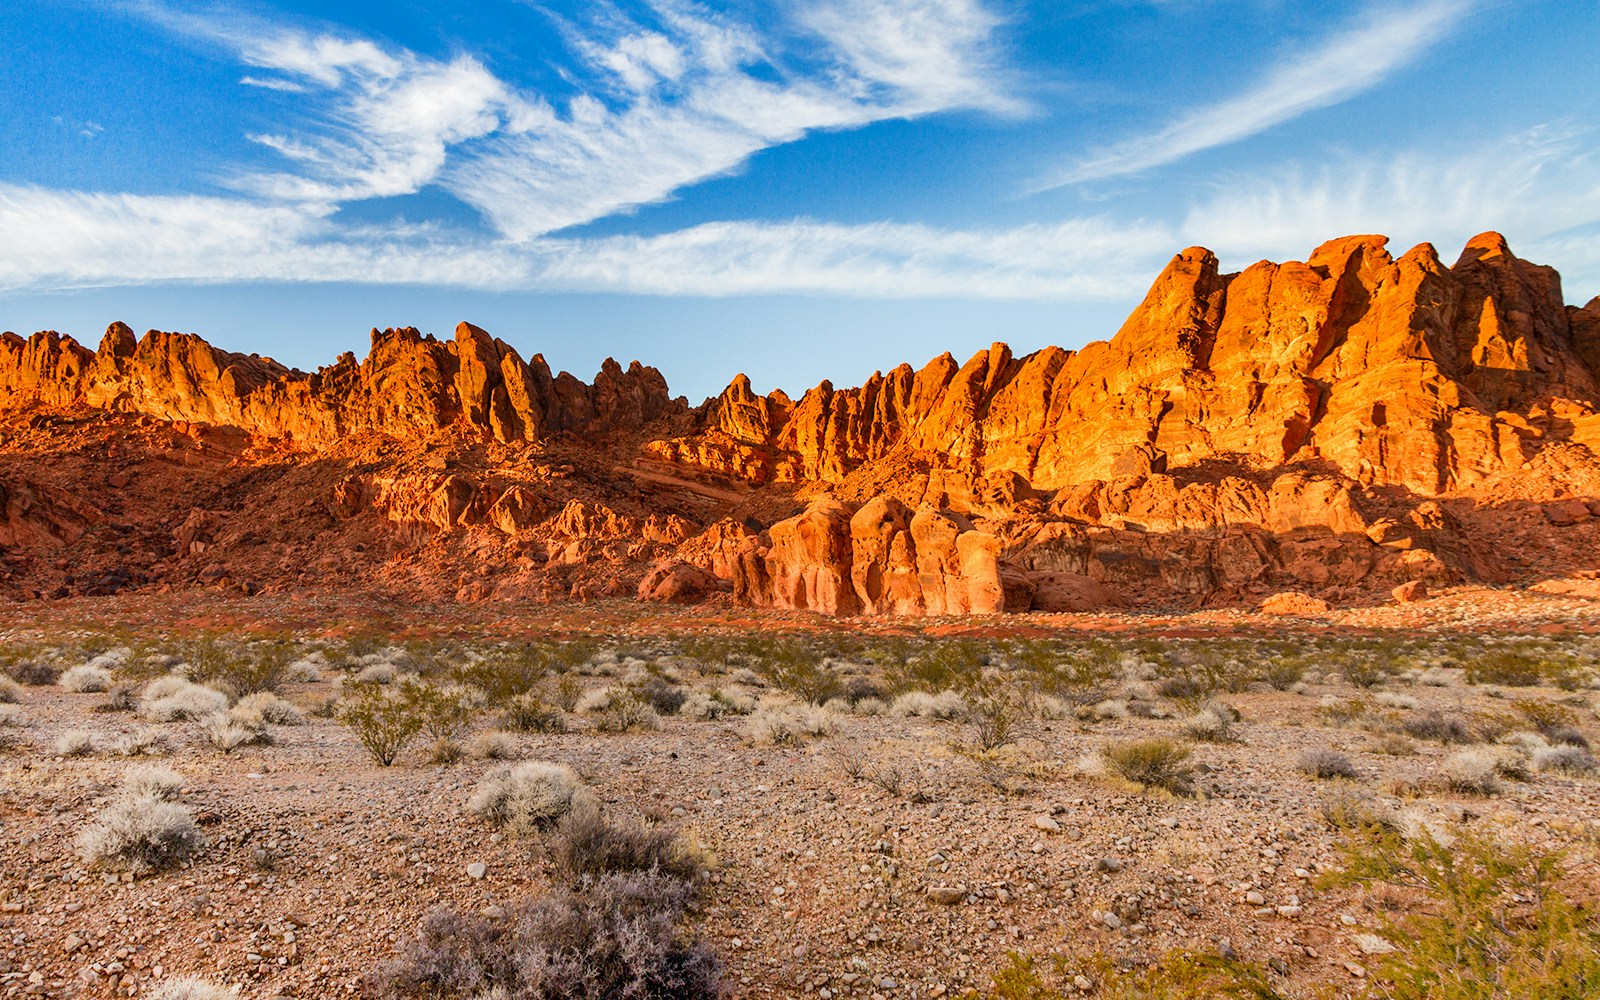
(1342, 426)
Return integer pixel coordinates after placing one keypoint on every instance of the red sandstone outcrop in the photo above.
(1354, 424)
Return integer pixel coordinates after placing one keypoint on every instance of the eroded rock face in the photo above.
(409, 386)
(1347, 427)
(1394, 372)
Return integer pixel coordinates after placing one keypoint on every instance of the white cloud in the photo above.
(79, 240)
(1538, 188)
(1343, 65)
(691, 96)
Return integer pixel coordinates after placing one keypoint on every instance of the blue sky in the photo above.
(800, 189)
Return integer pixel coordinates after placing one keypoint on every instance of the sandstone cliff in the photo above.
(1340, 426)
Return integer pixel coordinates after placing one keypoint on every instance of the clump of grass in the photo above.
(85, 679)
(140, 743)
(1152, 763)
(586, 845)
(270, 708)
(75, 743)
(10, 690)
(445, 751)
(495, 745)
(946, 705)
(140, 830)
(186, 988)
(1325, 764)
(1439, 728)
(529, 797)
(1471, 772)
(154, 781)
(1215, 722)
(1569, 760)
(177, 699)
(789, 725)
(228, 731)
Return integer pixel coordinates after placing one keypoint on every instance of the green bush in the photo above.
(384, 718)
(1492, 921)
(1154, 763)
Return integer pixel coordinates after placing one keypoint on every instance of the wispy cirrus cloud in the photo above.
(86, 240)
(668, 98)
(1349, 62)
(1542, 187)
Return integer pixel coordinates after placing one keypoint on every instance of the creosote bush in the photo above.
(1153, 763)
(1491, 921)
(384, 718)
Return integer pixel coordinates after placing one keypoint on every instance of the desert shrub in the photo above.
(617, 936)
(495, 745)
(1324, 763)
(507, 671)
(445, 710)
(227, 731)
(792, 667)
(1176, 975)
(1569, 760)
(625, 712)
(75, 743)
(568, 689)
(1283, 672)
(140, 832)
(998, 715)
(947, 704)
(376, 673)
(1438, 727)
(174, 699)
(663, 696)
(186, 988)
(33, 672)
(699, 705)
(530, 796)
(1153, 763)
(788, 725)
(1365, 671)
(10, 691)
(139, 743)
(1512, 668)
(85, 679)
(528, 713)
(238, 669)
(119, 698)
(1492, 923)
(1470, 772)
(1354, 813)
(384, 719)
(152, 781)
(585, 844)
(446, 751)
(270, 708)
(1396, 700)
(1214, 723)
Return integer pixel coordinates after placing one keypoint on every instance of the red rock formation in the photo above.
(1344, 427)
